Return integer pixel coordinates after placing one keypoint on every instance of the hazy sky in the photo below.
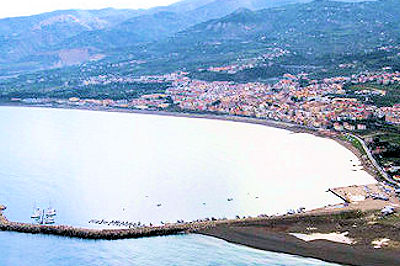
(14, 8)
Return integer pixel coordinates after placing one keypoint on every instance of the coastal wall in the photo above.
(3, 219)
(107, 234)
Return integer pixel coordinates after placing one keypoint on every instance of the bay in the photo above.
(149, 168)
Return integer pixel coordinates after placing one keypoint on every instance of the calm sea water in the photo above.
(20, 249)
(116, 166)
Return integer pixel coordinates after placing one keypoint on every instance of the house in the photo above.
(338, 126)
(361, 127)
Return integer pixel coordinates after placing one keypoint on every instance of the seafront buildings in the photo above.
(318, 104)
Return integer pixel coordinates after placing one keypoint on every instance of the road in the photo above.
(373, 161)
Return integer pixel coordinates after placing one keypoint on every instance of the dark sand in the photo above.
(274, 236)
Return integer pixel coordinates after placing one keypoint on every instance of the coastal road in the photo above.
(373, 161)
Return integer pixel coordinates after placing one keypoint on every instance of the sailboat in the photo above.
(36, 213)
(50, 212)
(49, 220)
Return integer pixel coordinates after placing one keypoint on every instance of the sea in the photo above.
(157, 169)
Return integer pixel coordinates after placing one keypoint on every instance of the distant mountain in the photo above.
(159, 23)
(219, 8)
(63, 38)
(319, 27)
(32, 36)
(140, 29)
(37, 41)
(319, 33)
(181, 6)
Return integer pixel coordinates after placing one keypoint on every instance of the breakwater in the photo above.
(3, 219)
(108, 234)
(148, 231)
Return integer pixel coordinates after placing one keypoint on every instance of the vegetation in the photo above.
(355, 142)
(390, 98)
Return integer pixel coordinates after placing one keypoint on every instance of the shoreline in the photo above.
(368, 166)
(211, 116)
(273, 234)
(276, 236)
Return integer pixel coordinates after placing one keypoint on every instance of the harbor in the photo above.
(114, 188)
(365, 198)
(270, 233)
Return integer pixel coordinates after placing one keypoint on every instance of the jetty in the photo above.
(107, 234)
(3, 219)
(338, 195)
(364, 198)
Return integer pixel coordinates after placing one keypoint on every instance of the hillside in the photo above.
(320, 33)
(38, 42)
(317, 28)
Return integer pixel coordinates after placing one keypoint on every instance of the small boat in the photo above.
(49, 220)
(36, 213)
(291, 212)
(50, 212)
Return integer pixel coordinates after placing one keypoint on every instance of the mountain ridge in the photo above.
(99, 31)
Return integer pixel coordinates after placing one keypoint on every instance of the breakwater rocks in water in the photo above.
(3, 220)
(148, 231)
(113, 234)
(107, 234)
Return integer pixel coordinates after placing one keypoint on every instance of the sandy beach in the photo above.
(295, 128)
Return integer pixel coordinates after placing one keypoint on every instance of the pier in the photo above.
(107, 234)
(339, 196)
(368, 193)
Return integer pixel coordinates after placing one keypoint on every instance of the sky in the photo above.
(15, 8)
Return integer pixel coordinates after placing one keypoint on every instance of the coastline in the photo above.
(239, 231)
(145, 231)
(368, 166)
